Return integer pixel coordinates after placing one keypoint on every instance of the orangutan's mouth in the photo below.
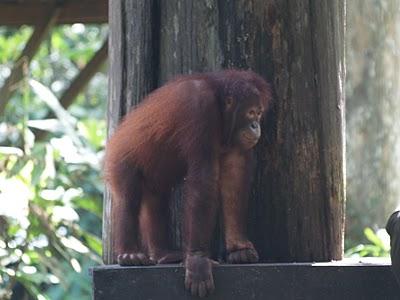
(250, 140)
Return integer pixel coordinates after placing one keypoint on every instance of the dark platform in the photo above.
(333, 280)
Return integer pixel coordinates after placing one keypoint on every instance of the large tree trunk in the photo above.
(373, 131)
(297, 200)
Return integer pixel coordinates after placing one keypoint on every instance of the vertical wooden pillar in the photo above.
(133, 58)
(297, 201)
(300, 180)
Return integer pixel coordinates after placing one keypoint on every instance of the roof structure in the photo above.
(19, 12)
(43, 15)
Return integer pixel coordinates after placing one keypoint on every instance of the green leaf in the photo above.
(94, 131)
(37, 172)
(93, 242)
(38, 154)
(66, 120)
(17, 167)
(90, 204)
(372, 237)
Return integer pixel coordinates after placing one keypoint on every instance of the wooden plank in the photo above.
(259, 281)
(39, 33)
(115, 102)
(84, 11)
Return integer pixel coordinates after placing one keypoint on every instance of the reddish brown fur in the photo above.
(184, 129)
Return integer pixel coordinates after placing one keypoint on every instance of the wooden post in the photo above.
(297, 201)
(299, 190)
(132, 74)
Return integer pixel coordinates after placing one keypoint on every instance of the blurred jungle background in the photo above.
(50, 153)
(50, 159)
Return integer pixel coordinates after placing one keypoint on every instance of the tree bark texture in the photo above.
(297, 200)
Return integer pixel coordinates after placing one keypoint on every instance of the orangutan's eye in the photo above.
(251, 114)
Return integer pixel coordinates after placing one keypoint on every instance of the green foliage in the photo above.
(12, 43)
(50, 189)
(378, 246)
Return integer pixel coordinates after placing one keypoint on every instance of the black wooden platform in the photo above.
(333, 280)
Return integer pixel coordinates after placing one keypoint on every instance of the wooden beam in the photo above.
(329, 281)
(27, 54)
(83, 78)
(73, 11)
